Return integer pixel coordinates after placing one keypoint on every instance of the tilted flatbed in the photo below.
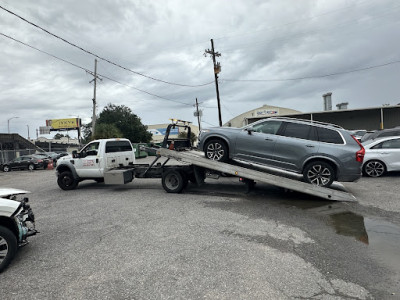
(175, 177)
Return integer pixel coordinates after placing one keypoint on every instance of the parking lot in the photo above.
(212, 242)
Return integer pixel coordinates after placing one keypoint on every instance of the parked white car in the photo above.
(381, 156)
(17, 222)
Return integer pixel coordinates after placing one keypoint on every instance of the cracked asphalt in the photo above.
(212, 242)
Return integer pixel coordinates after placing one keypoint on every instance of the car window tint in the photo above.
(391, 144)
(300, 131)
(377, 146)
(329, 136)
(118, 146)
(269, 127)
(388, 133)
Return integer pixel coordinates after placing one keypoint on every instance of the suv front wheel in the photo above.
(216, 149)
(319, 173)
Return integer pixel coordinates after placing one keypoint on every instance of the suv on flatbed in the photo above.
(321, 152)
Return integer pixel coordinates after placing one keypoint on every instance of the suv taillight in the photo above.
(360, 153)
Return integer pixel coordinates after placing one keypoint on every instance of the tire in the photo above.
(216, 149)
(8, 247)
(374, 168)
(173, 181)
(6, 168)
(31, 167)
(66, 181)
(319, 173)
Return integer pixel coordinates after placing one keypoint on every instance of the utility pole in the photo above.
(94, 96)
(217, 69)
(197, 113)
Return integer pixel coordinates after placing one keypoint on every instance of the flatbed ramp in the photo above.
(193, 157)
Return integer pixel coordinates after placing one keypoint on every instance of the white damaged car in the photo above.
(17, 223)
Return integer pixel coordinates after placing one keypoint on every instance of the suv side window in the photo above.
(329, 136)
(269, 127)
(296, 130)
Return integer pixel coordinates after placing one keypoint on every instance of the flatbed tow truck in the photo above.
(195, 168)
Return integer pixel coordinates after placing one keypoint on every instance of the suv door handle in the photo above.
(310, 146)
(384, 153)
(268, 139)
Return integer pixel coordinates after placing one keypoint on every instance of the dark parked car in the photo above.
(381, 133)
(27, 162)
(321, 152)
(45, 158)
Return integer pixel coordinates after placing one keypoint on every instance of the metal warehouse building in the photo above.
(367, 118)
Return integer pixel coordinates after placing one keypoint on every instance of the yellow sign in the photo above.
(63, 123)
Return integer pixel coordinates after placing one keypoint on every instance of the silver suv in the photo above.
(321, 152)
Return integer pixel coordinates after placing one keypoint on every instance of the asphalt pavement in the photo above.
(212, 242)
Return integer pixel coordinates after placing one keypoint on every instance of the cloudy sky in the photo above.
(150, 57)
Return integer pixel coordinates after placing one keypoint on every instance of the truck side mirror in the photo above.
(75, 154)
(250, 130)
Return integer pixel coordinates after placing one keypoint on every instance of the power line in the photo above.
(99, 57)
(49, 54)
(316, 76)
(290, 23)
(89, 71)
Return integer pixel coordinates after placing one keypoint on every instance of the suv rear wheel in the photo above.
(319, 173)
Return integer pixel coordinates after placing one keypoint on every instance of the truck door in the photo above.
(88, 163)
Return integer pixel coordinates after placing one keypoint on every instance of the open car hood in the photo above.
(6, 192)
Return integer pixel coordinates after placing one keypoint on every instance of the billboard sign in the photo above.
(72, 123)
(162, 131)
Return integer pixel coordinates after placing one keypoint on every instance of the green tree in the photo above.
(126, 121)
(58, 136)
(106, 131)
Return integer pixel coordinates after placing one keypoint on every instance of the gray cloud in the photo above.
(166, 40)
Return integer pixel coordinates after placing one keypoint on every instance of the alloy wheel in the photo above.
(215, 151)
(319, 175)
(374, 168)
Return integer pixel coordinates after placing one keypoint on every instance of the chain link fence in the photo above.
(7, 155)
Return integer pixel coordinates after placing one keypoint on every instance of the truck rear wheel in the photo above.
(66, 181)
(173, 181)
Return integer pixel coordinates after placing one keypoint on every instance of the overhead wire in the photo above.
(289, 23)
(233, 48)
(315, 76)
(89, 71)
(99, 57)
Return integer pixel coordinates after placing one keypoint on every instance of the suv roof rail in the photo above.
(308, 121)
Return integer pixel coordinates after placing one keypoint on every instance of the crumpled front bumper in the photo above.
(25, 221)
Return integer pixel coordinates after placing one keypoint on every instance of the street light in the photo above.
(8, 123)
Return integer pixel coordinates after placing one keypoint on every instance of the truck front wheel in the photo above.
(173, 181)
(66, 181)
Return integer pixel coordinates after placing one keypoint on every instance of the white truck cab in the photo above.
(93, 160)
